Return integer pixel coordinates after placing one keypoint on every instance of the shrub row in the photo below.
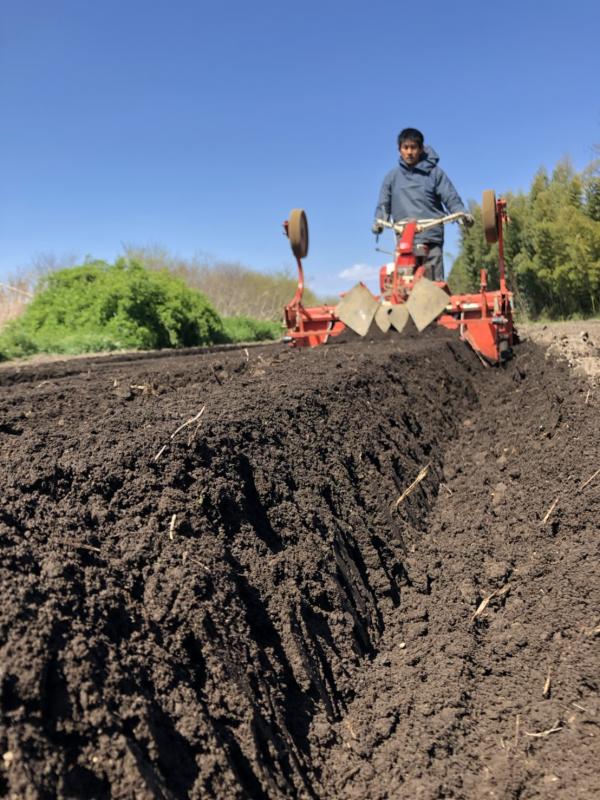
(98, 307)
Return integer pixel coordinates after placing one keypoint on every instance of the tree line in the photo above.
(551, 245)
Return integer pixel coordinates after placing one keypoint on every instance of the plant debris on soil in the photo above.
(368, 570)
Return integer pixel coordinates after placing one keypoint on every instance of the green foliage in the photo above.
(233, 289)
(592, 191)
(98, 306)
(247, 329)
(552, 246)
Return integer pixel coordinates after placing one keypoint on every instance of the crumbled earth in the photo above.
(577, 343)
(365, 570)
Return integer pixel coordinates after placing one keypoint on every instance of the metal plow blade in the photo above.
(357, 308)
(426, 302)
(388, 316)
(399, 317)
(382, 318)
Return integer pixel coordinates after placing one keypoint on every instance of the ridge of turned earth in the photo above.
(235, 608)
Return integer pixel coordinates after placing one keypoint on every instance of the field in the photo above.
(364, 571)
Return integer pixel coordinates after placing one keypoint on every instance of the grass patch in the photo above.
(247, 329)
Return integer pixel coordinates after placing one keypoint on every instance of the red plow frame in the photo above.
(484, 320)
(306, 327)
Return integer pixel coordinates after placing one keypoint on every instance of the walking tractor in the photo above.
(483, 319)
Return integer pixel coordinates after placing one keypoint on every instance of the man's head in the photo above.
(410, 145)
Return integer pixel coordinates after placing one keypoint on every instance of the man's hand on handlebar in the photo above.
(468, 220)
(376, 228)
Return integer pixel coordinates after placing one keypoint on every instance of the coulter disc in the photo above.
(298, 232)
(489, 216)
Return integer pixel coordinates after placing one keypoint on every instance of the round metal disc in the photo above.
(490, 216)
(298, 232)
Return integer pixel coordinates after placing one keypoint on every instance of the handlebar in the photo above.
(422, 224)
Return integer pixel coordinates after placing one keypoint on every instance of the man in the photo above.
(419, 189)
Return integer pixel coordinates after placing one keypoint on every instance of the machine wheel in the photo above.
(490, 216)
(298, 232)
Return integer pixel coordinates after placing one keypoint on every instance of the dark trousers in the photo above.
(434, 263)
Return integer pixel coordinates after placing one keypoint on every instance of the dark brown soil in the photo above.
(239, 607)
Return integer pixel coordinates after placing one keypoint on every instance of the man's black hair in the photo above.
(411, 135)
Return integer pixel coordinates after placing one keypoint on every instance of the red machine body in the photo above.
(309, 327)
(484, 319)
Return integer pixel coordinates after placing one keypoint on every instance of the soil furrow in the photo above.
(449, 704)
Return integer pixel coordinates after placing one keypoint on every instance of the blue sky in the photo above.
(199, 125)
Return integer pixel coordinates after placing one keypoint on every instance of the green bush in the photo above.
(247, 329)
(98, 306)
(233, 289)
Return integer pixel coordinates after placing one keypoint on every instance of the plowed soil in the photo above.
(215, 584)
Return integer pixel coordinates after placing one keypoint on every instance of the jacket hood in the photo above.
(428, 160)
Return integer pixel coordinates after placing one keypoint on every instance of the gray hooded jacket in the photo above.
(420, 192)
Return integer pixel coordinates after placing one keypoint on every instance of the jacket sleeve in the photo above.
(448, 194)
(384, 204)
